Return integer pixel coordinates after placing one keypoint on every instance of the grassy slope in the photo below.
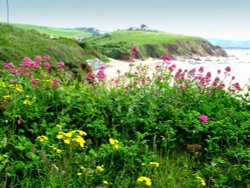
(55, 31)
(16, 43)
(150, 43)
(141, 37)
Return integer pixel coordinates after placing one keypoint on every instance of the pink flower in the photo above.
(55, 82)
(127, 88)
(218, 71)
(165, 57)
(156, 94)
(133, 50)
(61, 64)
(90, 76)
(227, 69)
(143, 80)
(201, 69)
(171, 68)
(19, 121)
(46, 66)
(181, 86)
(14, 71)
(203, 118)
(236, 86)
(38, 59)
(29, 74)
(100, 75)
(222, 86)
(46, 58)
(9, 66)
(34, 81)
(118, 72)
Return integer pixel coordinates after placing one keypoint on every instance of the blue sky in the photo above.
(207, 18)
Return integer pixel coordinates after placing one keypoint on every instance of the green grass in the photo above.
(150, 44)
(53, 31)
(17, 43)
(141, 38)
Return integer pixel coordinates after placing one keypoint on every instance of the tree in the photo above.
(8, 14)
(143, 27)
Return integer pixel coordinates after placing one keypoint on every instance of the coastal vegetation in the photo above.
(17, 43)
(176, 128)
(152, 44)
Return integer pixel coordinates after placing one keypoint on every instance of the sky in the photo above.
(225, 19)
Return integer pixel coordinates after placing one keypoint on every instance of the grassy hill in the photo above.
(152, 44)
(16, 43)
(62, 32)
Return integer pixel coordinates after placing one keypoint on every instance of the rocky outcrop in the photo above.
(189, 48)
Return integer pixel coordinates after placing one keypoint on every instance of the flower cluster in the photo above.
(72, 136)
(42, 138)
(114, 143)
(145, 180)
(202, 181)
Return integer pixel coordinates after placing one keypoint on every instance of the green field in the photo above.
(140, 37)
(53, 31)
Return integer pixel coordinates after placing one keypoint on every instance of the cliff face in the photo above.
(189, 48)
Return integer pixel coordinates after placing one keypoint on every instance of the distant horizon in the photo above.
(210, 38)
(216, 19)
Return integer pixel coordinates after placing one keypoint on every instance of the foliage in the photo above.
(175, 128)
(17, 43)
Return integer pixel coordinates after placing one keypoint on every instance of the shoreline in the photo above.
(239, 63)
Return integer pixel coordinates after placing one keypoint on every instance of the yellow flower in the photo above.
(154, 164)
(19, 89)
(69, 135)
(59, 136)
(82, 167)
(79, 174)
(27, 96)
(113, 141)
(27, 102)
(56, 150)
(147, 181)
(82, 133)
(6, 97)
(202, 181)
(3, 84)
(105, 182)
(100, 168)
(42, 138)
(66, 141)
(12, 85)
(79, 140)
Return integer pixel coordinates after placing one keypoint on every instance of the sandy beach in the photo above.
(238, 60)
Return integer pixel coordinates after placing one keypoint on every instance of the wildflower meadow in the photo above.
(175, 128)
